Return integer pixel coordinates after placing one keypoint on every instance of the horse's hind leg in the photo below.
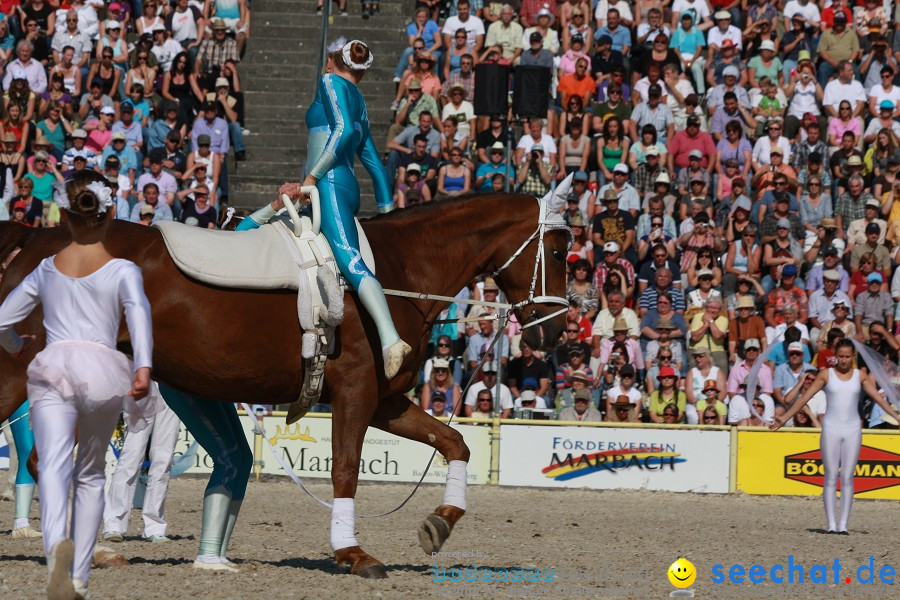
(216, 427)
(399, 416)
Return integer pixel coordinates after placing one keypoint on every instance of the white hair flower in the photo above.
(345, 52)
(103, 193)
(337, 44)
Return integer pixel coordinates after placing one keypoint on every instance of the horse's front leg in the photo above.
(399, 416)
(352, 411)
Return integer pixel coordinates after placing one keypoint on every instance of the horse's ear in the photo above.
(556, 199)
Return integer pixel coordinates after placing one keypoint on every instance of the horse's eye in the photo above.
(560, 255)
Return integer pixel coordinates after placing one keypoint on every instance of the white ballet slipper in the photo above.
(25, 533)
(215, 563)
(81, 590)
(112, 536)
(393, 357)
(59, 563)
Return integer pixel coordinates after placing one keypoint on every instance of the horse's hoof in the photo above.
(433, 532)
(360, 562)
(375, 571)
(107, 557)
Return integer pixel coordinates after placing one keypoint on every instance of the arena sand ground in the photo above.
(619, 544)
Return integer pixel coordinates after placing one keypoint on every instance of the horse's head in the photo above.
(534, 278)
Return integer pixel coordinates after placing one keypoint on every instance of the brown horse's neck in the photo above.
(440, 248)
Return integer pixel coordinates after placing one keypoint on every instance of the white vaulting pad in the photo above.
(251, 259)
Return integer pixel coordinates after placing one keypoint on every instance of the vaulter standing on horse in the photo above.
(338, 126)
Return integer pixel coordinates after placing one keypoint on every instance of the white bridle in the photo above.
(549, 218)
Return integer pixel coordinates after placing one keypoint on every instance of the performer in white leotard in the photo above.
(841, 427)
(79, 378)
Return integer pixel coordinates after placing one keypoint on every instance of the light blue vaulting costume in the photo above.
(24, 440)
(338, 126)
(340, 114)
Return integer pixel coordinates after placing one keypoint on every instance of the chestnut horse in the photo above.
(235, 345)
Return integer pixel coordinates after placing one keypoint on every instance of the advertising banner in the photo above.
(305, 447)
(790, 463)
(606, 458)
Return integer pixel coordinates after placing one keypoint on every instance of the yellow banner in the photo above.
(790, 463)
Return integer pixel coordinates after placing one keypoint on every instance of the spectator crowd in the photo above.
(735, 193)
(145, 92)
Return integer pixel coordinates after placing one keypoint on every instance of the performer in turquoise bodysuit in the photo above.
(24, 440)
(338, 126)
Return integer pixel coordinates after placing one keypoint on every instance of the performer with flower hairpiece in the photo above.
(79, 379)
(338, 126)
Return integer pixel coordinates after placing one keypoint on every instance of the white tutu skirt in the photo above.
(90, 376)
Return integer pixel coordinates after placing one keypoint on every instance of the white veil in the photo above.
(886, 373)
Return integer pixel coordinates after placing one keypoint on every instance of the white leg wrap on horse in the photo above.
(455, 490)
(343, 524)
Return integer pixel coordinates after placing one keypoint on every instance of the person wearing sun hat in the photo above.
(582, 408)
(666, 394)
(712, 398)
(496, 164)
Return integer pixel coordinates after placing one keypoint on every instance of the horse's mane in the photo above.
(415, 213)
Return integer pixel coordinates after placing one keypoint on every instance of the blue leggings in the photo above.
(24, 440)
(339, 199)
(217, 428)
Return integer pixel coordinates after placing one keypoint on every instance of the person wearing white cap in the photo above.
(549, 36)
(227, 109)
(412, 190)
(731, 82)
(724, 30)
(627, 195)
(536, 173)
(766, 64)
(165, 48)
(822, 302)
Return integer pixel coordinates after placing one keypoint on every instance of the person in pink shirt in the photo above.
(100, 132)
(691, 138)
(741, 369)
